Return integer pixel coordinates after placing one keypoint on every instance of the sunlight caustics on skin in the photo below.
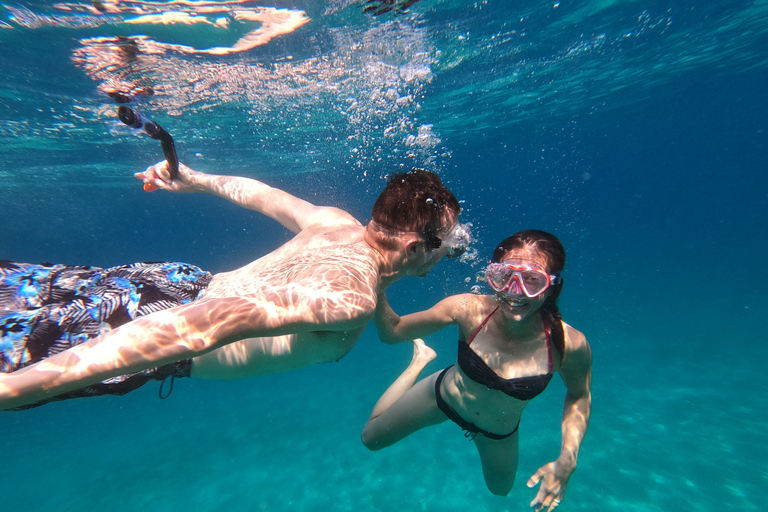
(319, 289)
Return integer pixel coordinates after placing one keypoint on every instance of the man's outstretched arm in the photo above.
(292, 212)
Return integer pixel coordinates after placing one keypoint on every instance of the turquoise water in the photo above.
(636, 131)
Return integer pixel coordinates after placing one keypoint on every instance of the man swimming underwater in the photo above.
(306, 302)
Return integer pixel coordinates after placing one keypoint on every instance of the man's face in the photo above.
(428, 257)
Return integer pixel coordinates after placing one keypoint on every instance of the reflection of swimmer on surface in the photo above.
(115, 66)
(271, 22)
(120, 62)
(510, 345)
(306, 302)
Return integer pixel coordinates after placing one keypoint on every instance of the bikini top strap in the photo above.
(482, 324)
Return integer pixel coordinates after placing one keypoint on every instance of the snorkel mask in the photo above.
(456, 241)
(513, 279)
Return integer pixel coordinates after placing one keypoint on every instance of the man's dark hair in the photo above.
(415, 201)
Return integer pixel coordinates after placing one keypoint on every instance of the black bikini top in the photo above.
(521, 388)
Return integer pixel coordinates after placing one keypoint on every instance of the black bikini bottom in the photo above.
(470, 429)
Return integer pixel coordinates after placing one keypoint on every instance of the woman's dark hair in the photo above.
(549, 245)
(415, 201)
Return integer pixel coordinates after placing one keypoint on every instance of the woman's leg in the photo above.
(407, 406)
(422, 355)
(499, 460)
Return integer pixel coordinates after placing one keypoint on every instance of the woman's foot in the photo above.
(422, 354)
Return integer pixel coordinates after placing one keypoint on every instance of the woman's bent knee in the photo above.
(370, 441)
(499, 489)
(500, 485)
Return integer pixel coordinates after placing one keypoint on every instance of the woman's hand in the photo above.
(158, 177)
(553, 477)
(577, 376)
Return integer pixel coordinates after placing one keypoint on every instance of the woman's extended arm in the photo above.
(393, 328)
(293, 213)
(576, 373)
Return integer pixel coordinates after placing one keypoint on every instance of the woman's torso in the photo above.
(527, 364)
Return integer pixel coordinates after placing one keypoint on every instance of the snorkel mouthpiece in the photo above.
(135, 120)
(458, 240)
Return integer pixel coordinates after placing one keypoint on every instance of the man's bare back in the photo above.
(301, 269)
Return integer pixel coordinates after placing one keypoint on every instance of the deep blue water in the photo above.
(635, 131)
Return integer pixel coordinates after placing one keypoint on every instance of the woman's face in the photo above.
(515, 304)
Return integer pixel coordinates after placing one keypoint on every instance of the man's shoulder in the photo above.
(330, 217)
